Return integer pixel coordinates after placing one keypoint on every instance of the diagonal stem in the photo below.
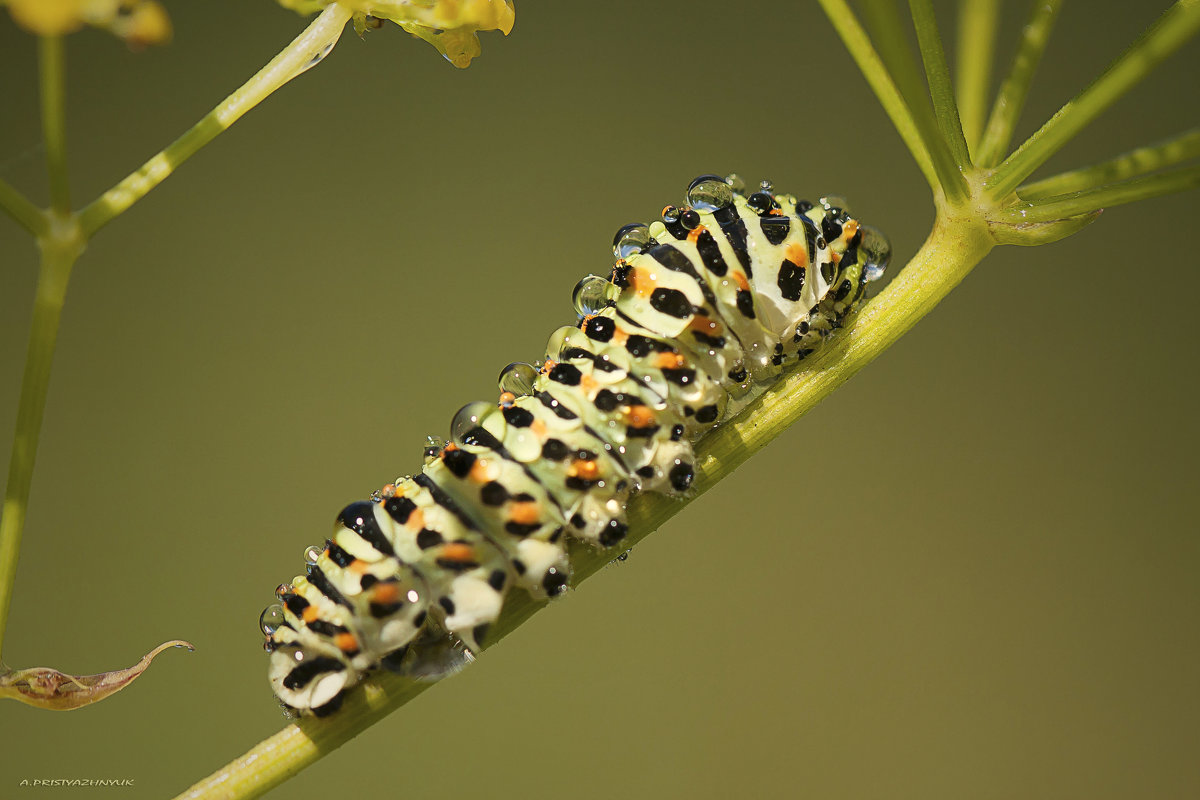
(941, 89)
(1011, 100)
(59, 251)
(305, 51)
(17, 206)
(954, 247)
(1178, 24)
(1068, 205)
(977, 23)
(887, 27)
(1127, 165)
(873, 69)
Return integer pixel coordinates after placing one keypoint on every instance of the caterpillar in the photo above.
(701, 311)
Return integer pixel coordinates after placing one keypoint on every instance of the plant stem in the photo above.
(1068, 205)
(17, 206)
(954, 247)
(52, 72)
(880, 81)
(305, 51)
(977, 22)
(1178, 24)
(1011, 100)
(938, 74)
(1127, 165)
(59, 249)
(888, 29)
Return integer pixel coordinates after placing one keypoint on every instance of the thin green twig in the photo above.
(1011, 99)
(1178, 24)
(305, 51)
(52, 69)
(1068, 205)
(887, 29)
(859, 45)
(1128, 165)
(25, 213)
(59, 252)
(938, 74)
(977, 24)
(954, 247)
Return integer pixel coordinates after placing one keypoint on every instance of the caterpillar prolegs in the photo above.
(701, 311)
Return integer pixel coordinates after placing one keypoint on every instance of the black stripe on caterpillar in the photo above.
(701, 311)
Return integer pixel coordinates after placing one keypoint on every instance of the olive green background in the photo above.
(972, 572)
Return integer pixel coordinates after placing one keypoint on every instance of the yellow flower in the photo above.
(448, 25)
(138, 22)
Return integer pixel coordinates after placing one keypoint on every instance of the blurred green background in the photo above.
(972, 572)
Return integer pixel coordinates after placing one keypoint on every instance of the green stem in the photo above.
(1011, 100)
(1178, 24)
(52, 69)
(26, 214)
(305, 51)
(1127, 165)
(941, 89)
(888, 28)
(954, 247)
(59, 249)
(880, 81)
(1075, 203)
(977, 23)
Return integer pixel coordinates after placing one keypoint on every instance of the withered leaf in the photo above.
(46, 687)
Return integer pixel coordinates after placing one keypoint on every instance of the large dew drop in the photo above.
(876, 252)
(518, 378)
(468, 419)
(593, 294)
(271, 619)
(709, 193)
(631, 240)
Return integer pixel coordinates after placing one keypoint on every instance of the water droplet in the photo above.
(269, 646)
(766, 186)
(592, 294)
(271, 619)
(736, 183)
(312, 553)
(690, 219)
(631, 240)
(468, 419)
(433, 448)
(835, 201)
(709, 193)
(876, 252)
(517, 378)
(282, 590)
(317, 57)
(671, 214)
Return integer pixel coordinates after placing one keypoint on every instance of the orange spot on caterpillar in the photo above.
(346, 642)
(797, 254)
(358, 566)
(742, 281)
(639, 416)
(694, 233)
(385, 593)
(524, 513)
(456, 551)
(588, 470)
(416, 520)
(669, 361)
(507, 398)
(310, 614)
